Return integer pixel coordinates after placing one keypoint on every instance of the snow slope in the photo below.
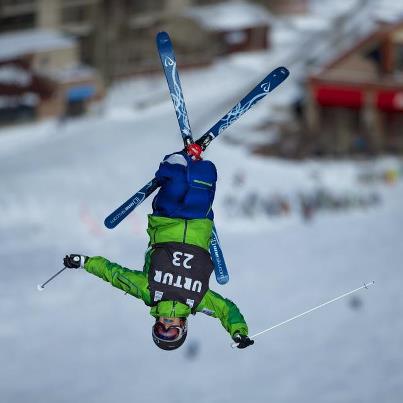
(83, 341)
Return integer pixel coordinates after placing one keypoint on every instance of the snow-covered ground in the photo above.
(83, 341)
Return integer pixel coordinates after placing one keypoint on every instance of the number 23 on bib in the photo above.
(179, 272)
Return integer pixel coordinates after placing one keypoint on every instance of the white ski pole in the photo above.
(233, 345)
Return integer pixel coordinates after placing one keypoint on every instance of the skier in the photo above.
(175, 277)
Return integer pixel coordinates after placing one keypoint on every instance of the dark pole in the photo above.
(42, 286)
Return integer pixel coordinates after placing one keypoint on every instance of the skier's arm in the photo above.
(213, 304)
(130, 281)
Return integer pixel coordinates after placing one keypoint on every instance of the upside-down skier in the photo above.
(174, 281)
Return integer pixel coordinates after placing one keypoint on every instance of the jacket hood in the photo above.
(170, 309)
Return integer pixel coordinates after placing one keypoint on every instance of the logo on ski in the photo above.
(172, 77)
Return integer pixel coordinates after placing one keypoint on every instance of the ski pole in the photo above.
(233, 345)
(41, 287)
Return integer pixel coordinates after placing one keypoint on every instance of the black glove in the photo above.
(242, 341)
(74, 261)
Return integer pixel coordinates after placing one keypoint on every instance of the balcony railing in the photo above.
(75, 3)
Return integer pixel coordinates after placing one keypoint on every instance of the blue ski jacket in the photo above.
(187, 187)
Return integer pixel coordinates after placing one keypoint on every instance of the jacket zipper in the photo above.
(184, 232)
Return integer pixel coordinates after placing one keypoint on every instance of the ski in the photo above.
(267, 85)
(168, 61)
(275, 78)
(128, 206)
(220, 268)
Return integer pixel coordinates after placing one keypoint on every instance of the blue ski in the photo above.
(168, 61)
(220, 268)
(276, 77)
(273, 80)
(127, 207)
(267, 85)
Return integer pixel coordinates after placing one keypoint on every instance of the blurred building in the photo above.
(117, 37)
(356, 101)
(41, 76)
(17, 14)
(235, 26)
(284, 7)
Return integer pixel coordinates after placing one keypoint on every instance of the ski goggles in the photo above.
(172, 333)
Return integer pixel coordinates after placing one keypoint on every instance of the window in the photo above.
(75, 14)
(24, 21)
(341, 128)
(136, 7)
(375, 56)
(235, 37)
(399, 58)
(18, 3)
(393, 137)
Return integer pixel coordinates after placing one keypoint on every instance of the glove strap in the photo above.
(80, 258)
(82, 261)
